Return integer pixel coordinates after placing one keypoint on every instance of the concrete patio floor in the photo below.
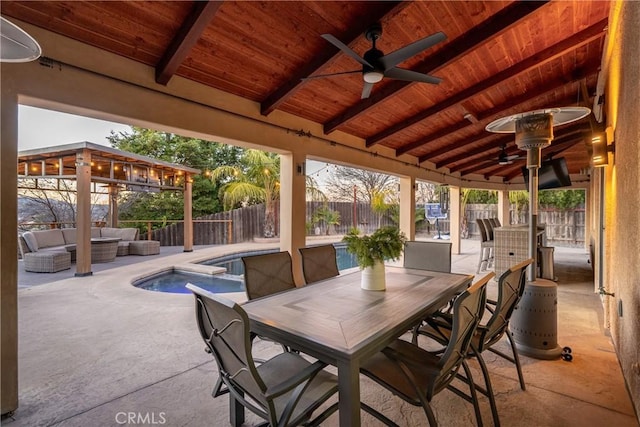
(94, 350)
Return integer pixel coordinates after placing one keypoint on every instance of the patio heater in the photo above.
(534, 322)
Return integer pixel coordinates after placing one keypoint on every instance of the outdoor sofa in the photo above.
(41, 249)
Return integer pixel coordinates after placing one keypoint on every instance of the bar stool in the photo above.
(486, 247)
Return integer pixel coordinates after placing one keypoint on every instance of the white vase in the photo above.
(373, 277)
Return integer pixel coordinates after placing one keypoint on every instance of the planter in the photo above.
(373, 278)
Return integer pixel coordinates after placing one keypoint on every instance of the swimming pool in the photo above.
(175, 281)
(232, 281)
(234, 266)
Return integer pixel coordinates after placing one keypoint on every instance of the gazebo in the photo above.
(89, 163)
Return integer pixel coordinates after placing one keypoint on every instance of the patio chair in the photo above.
(495, 222)
(486, 248)
(488, 226)
(319, 263)
(284, 390)
(510, 289)
(433, 256)
(267, 274)
(417, 375)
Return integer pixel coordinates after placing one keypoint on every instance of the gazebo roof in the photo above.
(108, 165)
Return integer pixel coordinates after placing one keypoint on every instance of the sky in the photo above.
(39, 128)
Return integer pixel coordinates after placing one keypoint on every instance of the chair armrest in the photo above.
(290, 383)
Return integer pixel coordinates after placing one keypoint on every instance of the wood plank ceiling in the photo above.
(499, 58)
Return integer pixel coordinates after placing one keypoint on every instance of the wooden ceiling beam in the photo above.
(568, 132)
(489, 154)
(356, 30)
(480, 166)
(512, 103)
(570, 143)
(535, 61)
(467, 42)
(495, 142)
(491, 145)
(460, 144)
(187, 36)
(515, 168)
(560, 144)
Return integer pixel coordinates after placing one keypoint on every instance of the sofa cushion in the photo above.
(128, 234)
(69, 235)
(48, 238)
(31, 241)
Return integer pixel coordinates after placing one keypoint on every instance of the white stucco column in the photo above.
(9, 248)
(504, 207)
(455, 217)
(293, 209)
(408, 207)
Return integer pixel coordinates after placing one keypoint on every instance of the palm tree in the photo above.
(324, 215)
(256, 180)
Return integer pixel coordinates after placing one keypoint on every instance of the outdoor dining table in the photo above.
(338, 322)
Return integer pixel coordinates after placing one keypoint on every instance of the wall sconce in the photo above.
(601, 148)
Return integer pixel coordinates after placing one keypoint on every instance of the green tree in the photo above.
(561, 199)
(254, 180)
(191, 152)
(327, 217)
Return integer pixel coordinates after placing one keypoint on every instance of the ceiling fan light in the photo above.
(373, 76)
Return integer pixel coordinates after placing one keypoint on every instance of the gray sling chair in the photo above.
(417, 375)
(319, 263)
(284, 390)
(433, 256)
(510, 289)
(267, 274)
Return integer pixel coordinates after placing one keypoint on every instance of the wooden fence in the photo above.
(564, 227)
(246, 224)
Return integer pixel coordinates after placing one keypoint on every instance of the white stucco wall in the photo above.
(622, 191)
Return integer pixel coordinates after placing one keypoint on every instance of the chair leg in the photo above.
(489, 390)
(481, 261)
(516, 359)
(473, 394)
(430, 416)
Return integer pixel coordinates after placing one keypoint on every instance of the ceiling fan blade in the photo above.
(366, 90)
(320, 76)
(396, 57)
(410, 76)
(346, 49)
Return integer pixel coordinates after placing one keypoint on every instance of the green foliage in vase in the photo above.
(385, 243)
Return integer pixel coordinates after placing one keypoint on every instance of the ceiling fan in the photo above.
(376, 65)
(505, 159)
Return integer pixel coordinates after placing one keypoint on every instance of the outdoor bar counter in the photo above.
(511, 245)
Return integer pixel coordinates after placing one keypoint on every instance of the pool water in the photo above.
(174, 282)
(231, 281)
(234, 266)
